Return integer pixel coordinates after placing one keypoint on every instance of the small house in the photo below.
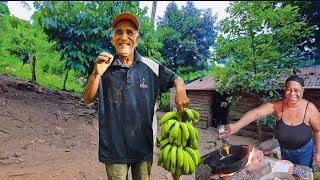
(204, 98)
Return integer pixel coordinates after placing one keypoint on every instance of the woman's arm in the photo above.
(248, 117)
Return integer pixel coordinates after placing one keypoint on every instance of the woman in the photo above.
(297, 121)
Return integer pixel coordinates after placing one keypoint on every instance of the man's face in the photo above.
(125, 38)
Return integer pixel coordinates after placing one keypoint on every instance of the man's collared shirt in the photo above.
(126, 107)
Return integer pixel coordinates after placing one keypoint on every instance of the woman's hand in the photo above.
(230, 129)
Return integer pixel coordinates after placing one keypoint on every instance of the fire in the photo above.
(226, 175)
(250, 157)
(226, 148)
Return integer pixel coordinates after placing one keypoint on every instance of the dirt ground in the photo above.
(47, 135)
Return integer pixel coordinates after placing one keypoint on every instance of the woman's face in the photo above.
(293, 92)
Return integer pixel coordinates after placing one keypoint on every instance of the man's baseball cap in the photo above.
(125, 16)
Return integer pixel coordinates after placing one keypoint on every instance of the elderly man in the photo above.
(128, 85)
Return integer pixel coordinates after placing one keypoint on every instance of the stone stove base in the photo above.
(259, 166)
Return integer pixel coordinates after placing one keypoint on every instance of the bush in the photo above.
(269, 121)
(164, 101)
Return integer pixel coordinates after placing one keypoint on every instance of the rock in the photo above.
(271, 148)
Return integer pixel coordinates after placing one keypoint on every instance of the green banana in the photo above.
(191, 131)
(183, 142)
(196, 114)
(178, 142)
(168, 125)
(185, 163)
(196, 133)
(171, 136)
(160, 157)
(180, 157)
(193, 154)
(167, 116)
(194, 144)
(179, 138)
(168, 160)
(158, 139)
(178, 171)
(164, 142)
(166, 151)
(185, 130)
(176, 129)
(189, 113)
(192, 167)
(199, 157)
(173, 161)
(163, 134)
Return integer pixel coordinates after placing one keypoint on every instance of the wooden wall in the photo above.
(246, 103)
(313, 95)
(200, 100)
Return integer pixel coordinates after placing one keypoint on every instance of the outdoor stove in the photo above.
(257, 167)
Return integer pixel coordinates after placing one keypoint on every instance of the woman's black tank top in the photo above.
(292, 137)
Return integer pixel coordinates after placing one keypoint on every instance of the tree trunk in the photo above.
(65, 80)
(33, 67)
(153, 12)
(253, 52)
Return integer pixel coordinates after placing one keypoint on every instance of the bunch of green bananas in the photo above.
(178, 142)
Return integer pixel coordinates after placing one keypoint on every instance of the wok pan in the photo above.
(230, 163)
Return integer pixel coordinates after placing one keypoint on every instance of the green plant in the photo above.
(164, 101)
(259, 45)
(269, 121)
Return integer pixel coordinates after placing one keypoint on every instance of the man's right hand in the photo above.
(102, 62)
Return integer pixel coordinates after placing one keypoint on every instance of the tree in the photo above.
(153, 12)
(20, 39)
(259, 41)
(82, 30)
(4, 10)
(187, 36)
(310, 12)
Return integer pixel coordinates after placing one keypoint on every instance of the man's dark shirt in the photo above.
(126, 107)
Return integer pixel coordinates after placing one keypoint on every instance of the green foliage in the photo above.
(317, 175)
(259, 44)
(188, 74)
(13, 67)
(268, 121)
(187, 35)
(310, 12)
(14, 37)
(4, 10)
(164, 101)
(20, 39)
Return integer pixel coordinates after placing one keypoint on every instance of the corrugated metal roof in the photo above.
(204, 83)
(310, 74)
